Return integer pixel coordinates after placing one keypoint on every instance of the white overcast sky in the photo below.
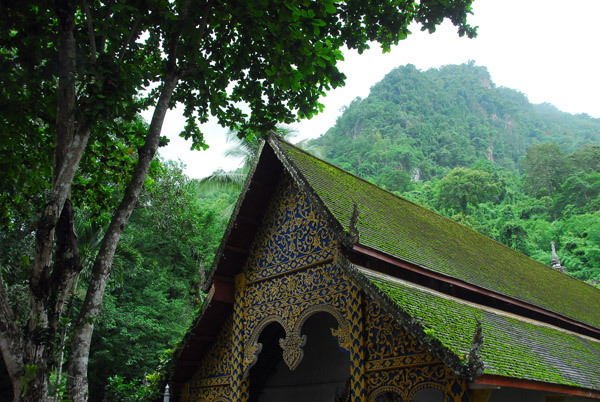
(546, 49)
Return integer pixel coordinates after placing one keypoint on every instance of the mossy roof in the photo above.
(397, 227)
(512, 346)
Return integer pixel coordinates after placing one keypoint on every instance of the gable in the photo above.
(291, 274)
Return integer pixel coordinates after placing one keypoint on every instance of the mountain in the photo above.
(451, 140)
(425, 123)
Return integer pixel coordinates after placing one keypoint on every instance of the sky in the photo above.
(547, 49)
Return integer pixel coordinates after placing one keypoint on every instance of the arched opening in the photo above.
(321, 375)
(388, 396)
(428, 395)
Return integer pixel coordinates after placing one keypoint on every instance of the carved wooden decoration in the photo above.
(290, 275)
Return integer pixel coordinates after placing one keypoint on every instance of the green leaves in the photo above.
(545, 167)
(330, 7)
(158, 270)
(467, 187)
(449, 140)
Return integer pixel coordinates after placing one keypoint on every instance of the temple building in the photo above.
(327, 288)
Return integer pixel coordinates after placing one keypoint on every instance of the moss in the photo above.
(398, 227)
(511, 347)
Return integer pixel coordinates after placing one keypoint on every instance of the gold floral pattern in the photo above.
(294, 235)
(214, 372)
(292, 346)
(290, 275)
(397, 362)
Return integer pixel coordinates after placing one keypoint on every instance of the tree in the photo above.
(586, 159)
(463, 186)
(74, 75)
(545, 167)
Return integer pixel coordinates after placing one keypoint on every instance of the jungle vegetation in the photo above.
(451, 140)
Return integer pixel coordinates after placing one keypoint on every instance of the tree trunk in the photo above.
(11, 341)
(77, 383)
(29, 357)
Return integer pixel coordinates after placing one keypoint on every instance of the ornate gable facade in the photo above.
(290, 275)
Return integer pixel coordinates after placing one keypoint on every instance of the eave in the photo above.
(499, 381)
(388, 265)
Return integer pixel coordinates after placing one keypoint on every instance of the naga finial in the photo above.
(555, 262)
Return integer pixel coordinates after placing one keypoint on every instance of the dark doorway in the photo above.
(429, 395)
(322, 373)
(389, 396)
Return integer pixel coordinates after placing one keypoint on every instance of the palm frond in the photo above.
(127, 257)
(221, 180)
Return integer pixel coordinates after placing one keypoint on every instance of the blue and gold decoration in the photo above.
(396, 362)
(290, 275)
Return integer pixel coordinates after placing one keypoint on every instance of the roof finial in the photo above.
(353, 228)
(350, 236)
(555, 262)
(474, 356)
(167, 394)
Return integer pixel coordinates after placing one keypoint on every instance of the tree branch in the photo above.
(67, 264)
(63, 155)
(174, 40)
(129, 38)
(188, 69)
(90, 27)
(92, 305)
(106, 19)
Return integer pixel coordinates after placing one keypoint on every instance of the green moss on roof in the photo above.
(398, 227)
(512, 347)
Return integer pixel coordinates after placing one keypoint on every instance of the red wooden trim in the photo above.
(465, 285)
(500, 381)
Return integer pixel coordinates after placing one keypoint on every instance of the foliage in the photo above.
(545, 167)
(118, 390)
(427, 123)
(463, 144)
(175, 230)
(74, 76)
(462, 187)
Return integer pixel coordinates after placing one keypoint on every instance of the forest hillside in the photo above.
(452, 141)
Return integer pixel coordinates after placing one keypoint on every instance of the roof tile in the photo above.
(407, 231)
